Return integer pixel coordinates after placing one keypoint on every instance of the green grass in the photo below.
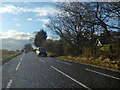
(112, 64)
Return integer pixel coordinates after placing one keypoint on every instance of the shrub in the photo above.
(91, 58)
(118, 64)
(101, 58)
(107, 60)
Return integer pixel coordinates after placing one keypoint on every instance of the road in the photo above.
(29, 71)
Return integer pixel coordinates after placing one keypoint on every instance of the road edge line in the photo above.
(102, 74)
(71, 78)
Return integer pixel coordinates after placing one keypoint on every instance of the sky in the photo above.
(21, 19)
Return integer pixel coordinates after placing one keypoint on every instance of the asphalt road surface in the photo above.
(29, 71)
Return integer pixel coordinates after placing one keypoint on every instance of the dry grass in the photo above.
(100, 61)
(6, 54)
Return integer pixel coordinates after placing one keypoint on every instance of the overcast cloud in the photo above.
(13, 40)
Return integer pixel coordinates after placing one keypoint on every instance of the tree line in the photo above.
(84, 28)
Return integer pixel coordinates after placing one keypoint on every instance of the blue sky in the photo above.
(21, 19)
(26, 21)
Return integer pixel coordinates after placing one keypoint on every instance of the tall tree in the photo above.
(40, 38)
(28, 48)
(78, 22)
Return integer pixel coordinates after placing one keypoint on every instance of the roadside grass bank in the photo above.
(8, 55)
(51, 54)
(103, 63)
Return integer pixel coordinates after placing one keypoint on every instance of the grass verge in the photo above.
(8, 55)
(51, 54)
(104, 63)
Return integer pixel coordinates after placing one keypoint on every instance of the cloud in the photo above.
(8, 9)
(43, 25)
(18, 25)
(15, 19)
(39, 11)
(13, 40)
(42, 11)
(29, 19)
(15, 35)
(42, 14)
(45, 21)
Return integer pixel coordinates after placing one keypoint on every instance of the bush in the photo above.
(91, 58)
(107, 60)
(118, 64)
(101, 58)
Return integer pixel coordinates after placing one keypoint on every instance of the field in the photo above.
(7, 55)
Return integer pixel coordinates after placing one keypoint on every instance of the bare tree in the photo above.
(78, 22)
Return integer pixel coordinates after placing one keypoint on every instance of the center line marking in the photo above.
(103, 74)
(18, 66)
(71, 78)
(9, 83)
(21, 59)
(42, 61)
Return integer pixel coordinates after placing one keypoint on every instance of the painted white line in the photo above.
(9, 83)
(6, 63)
(103, 74)
(65, 63)
(23, 55)
(21, 59)
(42, 61)
(72, 78)
(18, 66)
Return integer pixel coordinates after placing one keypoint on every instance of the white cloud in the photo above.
(39, 11)
(15, 35)
(45, 21)
(29, 19)
(47, 10)
(18, 25)
(9, 9)
(42, 14)
(15, 19)
(13, 40)
(43, 25)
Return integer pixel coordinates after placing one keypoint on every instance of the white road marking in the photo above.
(103, 74)
(65, 62)
(9, 83)
(6, 63)
(71, 78)
(21, 59)
(18, 66)
(42, 61)
(23, 55)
